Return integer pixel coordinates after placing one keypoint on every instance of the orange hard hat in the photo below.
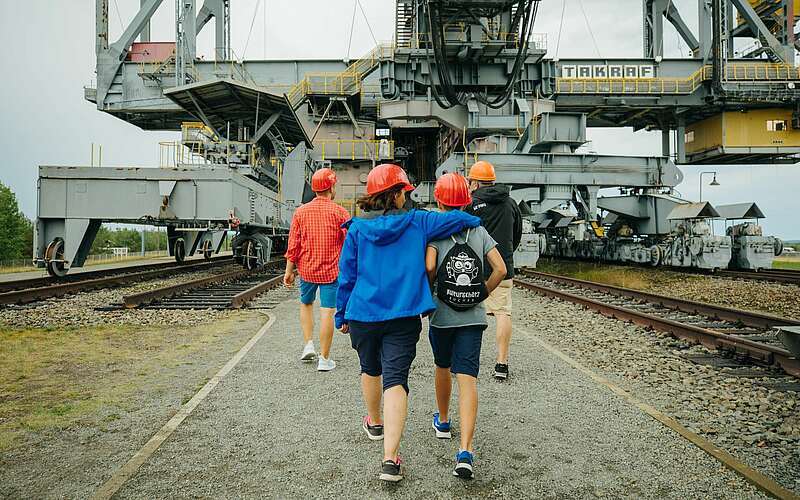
(452, 190)
(387, 176)
(322, 180)
(482, 171)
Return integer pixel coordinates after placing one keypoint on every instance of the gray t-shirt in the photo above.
(445, 316)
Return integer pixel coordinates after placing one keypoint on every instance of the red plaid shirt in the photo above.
(316, 238)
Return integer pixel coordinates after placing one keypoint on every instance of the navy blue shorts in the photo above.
(457, 348)
(387, 348)
(327, 293)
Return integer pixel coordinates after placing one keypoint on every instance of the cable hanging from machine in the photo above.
(447, 97)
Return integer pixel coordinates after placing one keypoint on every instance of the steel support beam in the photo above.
(111, 58)
(262, 130)
(218, 10)
(674, 17)
(704, 32)
(784, 54)
(144, 36)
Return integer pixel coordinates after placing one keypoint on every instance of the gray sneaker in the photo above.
(308, 352)
(325, 364)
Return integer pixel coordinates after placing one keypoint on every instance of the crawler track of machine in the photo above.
(731, 332)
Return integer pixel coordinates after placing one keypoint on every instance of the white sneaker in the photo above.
(325, 364)
(308, 352)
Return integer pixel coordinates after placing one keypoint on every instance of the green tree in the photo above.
(15, 228)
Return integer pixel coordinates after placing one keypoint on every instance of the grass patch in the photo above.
(52, 379)
(623, 276)
(786, 263)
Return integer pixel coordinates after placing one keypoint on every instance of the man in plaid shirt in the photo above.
(315, 242)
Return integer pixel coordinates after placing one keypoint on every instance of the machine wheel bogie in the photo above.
(54, 258)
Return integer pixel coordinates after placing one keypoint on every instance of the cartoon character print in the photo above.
(461, 269)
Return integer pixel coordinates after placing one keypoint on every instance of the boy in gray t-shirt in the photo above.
(455, 335)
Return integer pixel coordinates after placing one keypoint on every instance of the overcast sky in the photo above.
(48, 57)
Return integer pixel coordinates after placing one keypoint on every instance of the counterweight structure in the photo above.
(462, 80)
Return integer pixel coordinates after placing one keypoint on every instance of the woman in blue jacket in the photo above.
(383, 290)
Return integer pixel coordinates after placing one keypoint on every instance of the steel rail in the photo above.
(758, 352)
(138, 299)
(748, 318)
(776, 275)
(7, 286)
(241, 299)
(144, 298)
(28, 295)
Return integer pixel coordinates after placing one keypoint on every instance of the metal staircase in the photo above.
(404, 23)
(346, 83)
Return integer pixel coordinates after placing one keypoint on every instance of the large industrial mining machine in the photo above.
(461, 80)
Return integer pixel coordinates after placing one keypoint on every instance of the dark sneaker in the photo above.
(390, 471)
(464, 465)
(442, 428)
(500, 371)
(374, 432)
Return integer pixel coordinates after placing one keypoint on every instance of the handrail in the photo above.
(347, 81)
(354, 149)
(750, 72)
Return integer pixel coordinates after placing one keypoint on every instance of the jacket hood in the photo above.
(379, 228)
(492, 194)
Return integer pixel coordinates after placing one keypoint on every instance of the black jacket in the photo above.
(501, 217)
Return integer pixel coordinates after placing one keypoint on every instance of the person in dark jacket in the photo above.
(502, 218)
(383, 290)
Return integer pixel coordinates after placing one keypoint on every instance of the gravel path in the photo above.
(746, 416)
(276, 428)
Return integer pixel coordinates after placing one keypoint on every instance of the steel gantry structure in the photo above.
(461, 79)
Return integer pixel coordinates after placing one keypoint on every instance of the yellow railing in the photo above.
(355, 149)
(344, 82)
(664, 86)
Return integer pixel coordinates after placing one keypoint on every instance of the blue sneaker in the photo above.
(442, 428)
(464, 465)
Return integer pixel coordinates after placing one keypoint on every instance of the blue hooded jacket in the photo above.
(382, 264)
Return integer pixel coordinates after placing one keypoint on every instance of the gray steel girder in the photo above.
(574, 169)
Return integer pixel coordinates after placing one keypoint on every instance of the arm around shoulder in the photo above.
(439, 225)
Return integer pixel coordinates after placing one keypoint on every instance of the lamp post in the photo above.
(712, 183)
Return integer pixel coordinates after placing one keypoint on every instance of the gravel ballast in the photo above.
(753, 417)
(80, 310)
(779, 299)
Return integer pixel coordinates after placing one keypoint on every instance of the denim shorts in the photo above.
(327, 293)
(457, 348)
(387, 348)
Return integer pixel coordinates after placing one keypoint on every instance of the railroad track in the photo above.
(789, 276)
(228, 290)
(776, 275)
(733, 332)
(35, 289)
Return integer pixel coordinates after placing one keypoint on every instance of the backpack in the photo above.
(459, 279)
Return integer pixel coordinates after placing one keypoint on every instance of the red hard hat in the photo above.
(322, 180)
(385, 177)
(452, 190)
